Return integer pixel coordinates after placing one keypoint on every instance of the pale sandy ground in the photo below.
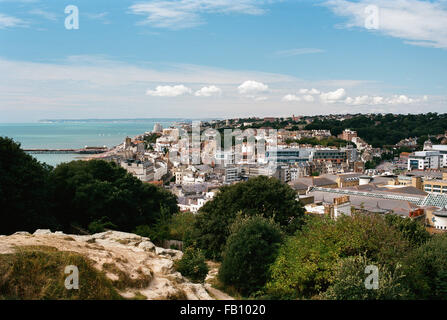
(130, 253)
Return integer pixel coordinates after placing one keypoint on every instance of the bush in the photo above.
(100, 225)
(249, 251)
(426, 270)
(181, 226)
(412, 230)
(263, 196)
(307, 262)
(192, 265)
(350, 276)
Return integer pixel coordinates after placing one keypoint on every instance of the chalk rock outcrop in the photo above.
(148, 270)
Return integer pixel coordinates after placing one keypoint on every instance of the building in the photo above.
(289, 155)
(158, 128)
(333, 155)
(142, 170)
(437, 186)
(269, 119)
(442, 149)
(437, 218)
(348, 180)
(348, 135)
(423, 160)
(340, 206)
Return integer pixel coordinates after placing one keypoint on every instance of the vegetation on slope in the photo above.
(38, 273)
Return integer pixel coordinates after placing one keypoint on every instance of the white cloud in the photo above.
(169, 91)
(252, 89)
(91, 86)
(45, 14)
(182, 14)
(378, 100)
(208, 91)
(10, 22)
(402, 99)
(421, 23)
(333, 96)
(309, 91)
(291, 97)
(298, 51)
(308, 98)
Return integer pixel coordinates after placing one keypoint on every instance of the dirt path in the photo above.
(212, 274)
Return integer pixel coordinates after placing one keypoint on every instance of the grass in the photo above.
(124, 280)
(37, 273)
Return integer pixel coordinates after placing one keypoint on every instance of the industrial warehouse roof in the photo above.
(371, 204)
(385, 198)
(377, 194)
(435, 200)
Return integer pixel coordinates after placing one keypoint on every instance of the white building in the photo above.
(442, 149)
(423, 160)
(440, 219)
(157, 128)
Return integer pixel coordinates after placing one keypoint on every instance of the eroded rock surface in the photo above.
(141, 268)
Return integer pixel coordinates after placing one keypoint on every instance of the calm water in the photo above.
(67, 135)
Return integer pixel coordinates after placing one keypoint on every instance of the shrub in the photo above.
(263, 196)
(249, 251)
(350, 276)
(100, 225)
(307, 262)
(412, 230)
(192, 265)
(426, 270)
(181, 225)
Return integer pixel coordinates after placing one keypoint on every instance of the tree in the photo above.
(249, 251)
(412, 230)
(426, 270)
(307, 262)
(267, 197)
(87, 191)
(25, 191)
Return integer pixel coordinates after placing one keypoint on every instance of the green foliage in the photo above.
(92, 193)
(39, 273)
(379, 130)
(151, 138)
(159, 230)
(192, 265)
(327, 142)
(87, 191)
(426, 270)
(267, 197)
(307, 262)
(25, 190)
(350, 276)
(181, 226)
(249, 251)
(412, 230)
(100, 225)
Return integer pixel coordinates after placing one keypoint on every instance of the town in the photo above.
(331, 175)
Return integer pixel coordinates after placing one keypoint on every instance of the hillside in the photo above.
(122, 264)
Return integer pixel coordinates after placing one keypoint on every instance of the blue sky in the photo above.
(221, 58)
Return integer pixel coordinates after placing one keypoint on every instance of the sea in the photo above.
(76, 134)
